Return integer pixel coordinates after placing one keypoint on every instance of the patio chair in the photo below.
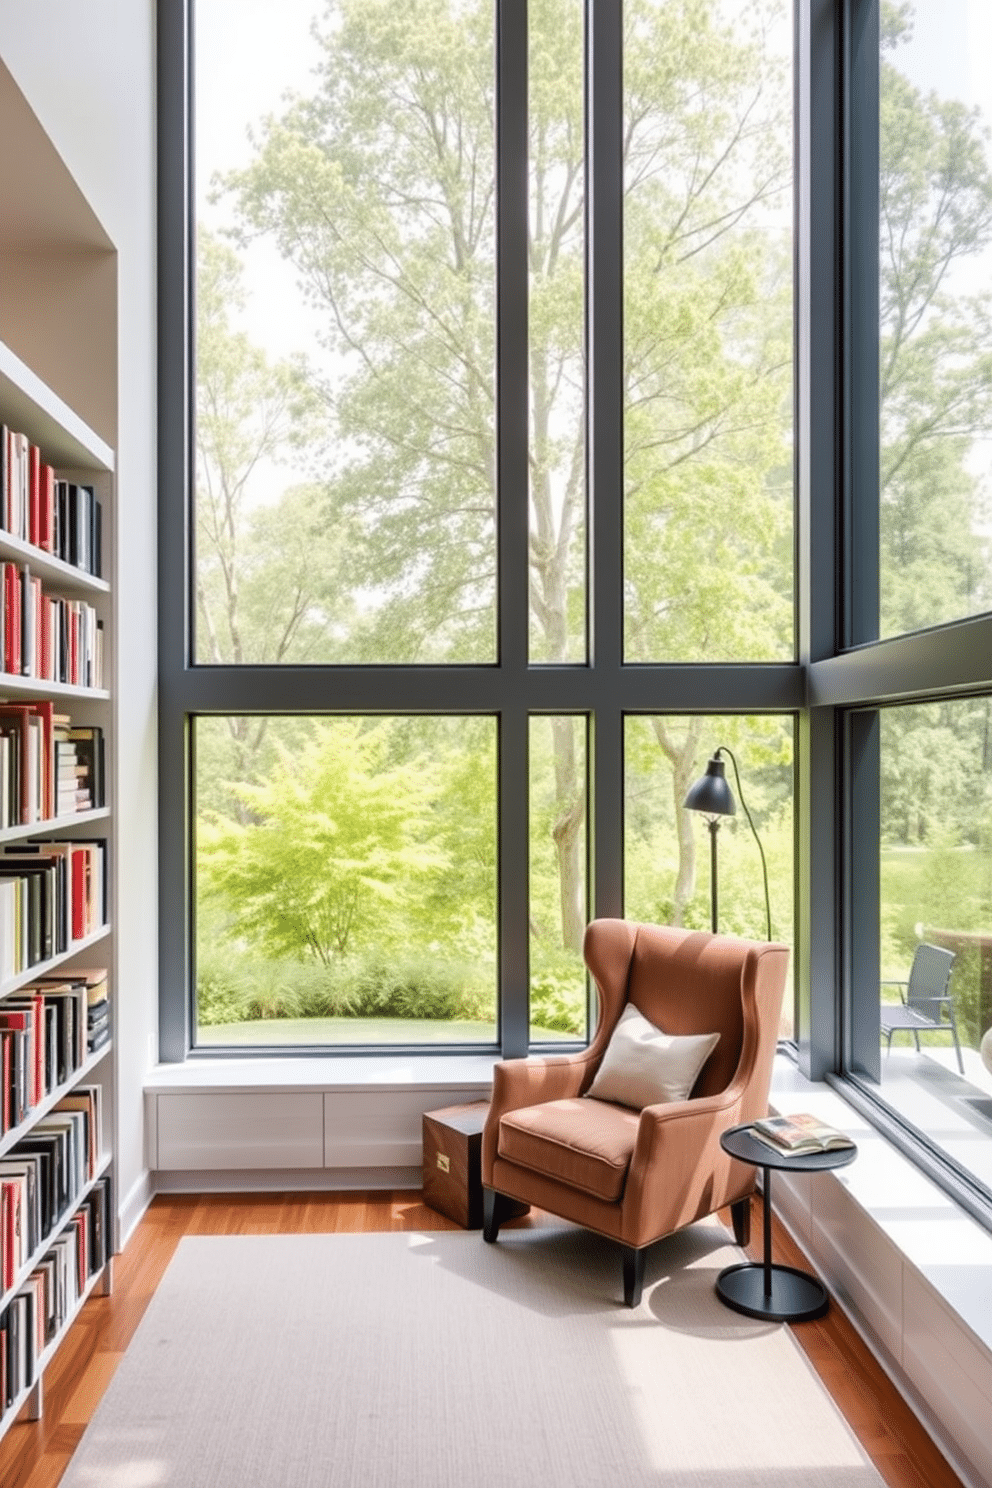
(925, 999)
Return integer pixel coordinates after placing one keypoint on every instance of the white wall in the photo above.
(88, 71)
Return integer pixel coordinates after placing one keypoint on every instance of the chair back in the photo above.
(928, 979)
(687, 982)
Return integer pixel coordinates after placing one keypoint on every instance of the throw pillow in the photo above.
(643, 1066)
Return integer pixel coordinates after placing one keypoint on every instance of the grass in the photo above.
(339, 1031)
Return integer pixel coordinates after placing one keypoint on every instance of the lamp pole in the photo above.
(714, 826)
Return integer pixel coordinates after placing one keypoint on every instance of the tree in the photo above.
(935, 362)
(935, 373)
(379, 189)
(336, 842)
(268, 562)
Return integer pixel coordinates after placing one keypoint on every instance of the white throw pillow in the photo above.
(643, 1066)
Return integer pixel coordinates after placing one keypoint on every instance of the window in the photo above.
(908, 714)
(345, 875)
(935, 335)
(490, 477)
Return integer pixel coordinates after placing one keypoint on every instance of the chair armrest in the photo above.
(676, 1155)
(528, 1082)
(900, 985)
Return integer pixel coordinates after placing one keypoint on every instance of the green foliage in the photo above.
(558, 996)
(935, 354)
(336, 844)
(947, 887)
(243, 988)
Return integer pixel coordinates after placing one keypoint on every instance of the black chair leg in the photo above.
(633, 1274)
(740, 1214)
(495, 1208)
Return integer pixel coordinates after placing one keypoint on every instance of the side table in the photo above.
(452, 1182)
(758, 1288)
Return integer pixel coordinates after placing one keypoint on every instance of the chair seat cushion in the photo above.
(584, 1143)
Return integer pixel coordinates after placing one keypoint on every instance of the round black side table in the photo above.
(782, 1294)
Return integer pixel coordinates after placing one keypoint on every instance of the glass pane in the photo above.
(667, 848)
(557, 333)
(936, 890)
(558, 898)
(345, 505)
(708, 329)
(935, 307)
(345, 885)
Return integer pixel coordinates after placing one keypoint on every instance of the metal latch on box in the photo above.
(444, 1162)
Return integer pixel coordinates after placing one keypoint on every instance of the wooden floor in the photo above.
(35, 1454)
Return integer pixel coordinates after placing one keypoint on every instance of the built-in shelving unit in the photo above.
(77, 454)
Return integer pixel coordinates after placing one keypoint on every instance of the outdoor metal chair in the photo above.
(925, 999)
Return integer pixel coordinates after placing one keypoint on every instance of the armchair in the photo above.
(637, 1175)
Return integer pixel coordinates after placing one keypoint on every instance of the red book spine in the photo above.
(46, 639)
(18, 626)
(7, 1221)
(39, 1050)
(34, 494)
(79, 896)
(39, 607)
(9, 626)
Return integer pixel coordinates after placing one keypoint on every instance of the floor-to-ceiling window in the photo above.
(488, 356)
(917, 674)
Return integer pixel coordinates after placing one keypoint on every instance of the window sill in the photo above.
(338, 1072)
(911, 1268)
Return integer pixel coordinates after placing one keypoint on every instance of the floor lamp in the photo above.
(712, 796)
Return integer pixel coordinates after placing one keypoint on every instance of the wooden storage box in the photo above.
(453, 1163)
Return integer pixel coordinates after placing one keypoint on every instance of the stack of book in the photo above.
(49, 766)
(52, 894)
(58, 516)
(97, 1010)
(49, 1295)
(42, 1178)
(47, 1031)
(46, 635)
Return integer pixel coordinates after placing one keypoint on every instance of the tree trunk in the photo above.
(567, 832)
(681, 755)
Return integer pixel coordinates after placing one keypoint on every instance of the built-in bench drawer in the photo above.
(201, 1131)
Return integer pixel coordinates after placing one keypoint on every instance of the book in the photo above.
(798, 1135)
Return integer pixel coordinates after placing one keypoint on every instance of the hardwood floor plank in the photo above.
(88, 1393)
(35, 1454)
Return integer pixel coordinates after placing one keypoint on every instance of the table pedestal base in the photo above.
(795, 1296)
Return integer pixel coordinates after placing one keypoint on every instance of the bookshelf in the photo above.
(77, 932)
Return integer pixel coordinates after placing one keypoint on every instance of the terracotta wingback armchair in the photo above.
(636, 1175)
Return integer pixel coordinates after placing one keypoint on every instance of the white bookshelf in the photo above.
(28, 406)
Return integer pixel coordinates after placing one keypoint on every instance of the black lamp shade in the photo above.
(711, 793)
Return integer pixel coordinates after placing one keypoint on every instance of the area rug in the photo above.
(433, 1360)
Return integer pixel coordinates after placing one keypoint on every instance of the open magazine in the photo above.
(799, 1134)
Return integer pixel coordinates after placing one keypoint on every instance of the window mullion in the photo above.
(512, 481)
(604, 344)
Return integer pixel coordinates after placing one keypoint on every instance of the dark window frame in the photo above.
(605, 690)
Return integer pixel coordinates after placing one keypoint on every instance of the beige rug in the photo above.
(437, 1361)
